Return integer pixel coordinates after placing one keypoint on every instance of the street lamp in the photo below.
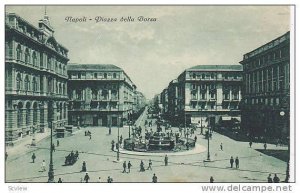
(287, 177)
(208, 135)
(33, 136)
(118, 150)
(129, 123)
(51, 172)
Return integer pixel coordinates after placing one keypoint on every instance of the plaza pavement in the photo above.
(254, 166)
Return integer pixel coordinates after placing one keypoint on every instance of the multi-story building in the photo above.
(35, 78)
(173, 112)
(265, 109)
(99, 94)
(206, 92)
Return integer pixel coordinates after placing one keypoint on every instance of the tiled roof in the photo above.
(237, 67)
(93, 67)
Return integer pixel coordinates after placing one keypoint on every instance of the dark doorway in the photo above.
(95, 120)
(114, 121)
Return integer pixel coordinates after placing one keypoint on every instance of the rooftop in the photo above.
(237, 67)
(93, 67)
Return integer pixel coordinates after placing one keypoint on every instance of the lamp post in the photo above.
(51, 172)
(33, 136)
(287, 177)
(118, 150)
(129, 123)
(208, 153)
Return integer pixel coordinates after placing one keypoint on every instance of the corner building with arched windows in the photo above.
(100, 95)
(35, 78)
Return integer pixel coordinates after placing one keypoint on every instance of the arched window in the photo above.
(19, 52)
(114, 75)
(59, 69)
(27, 56)
(19, 81)
(34, 59)
(34, 84)
(10, 48)
(49, 63)
(27, 83)
(59, 87)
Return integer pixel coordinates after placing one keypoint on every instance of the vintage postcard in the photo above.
(149, 93)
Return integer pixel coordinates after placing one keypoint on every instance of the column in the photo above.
(23, 124)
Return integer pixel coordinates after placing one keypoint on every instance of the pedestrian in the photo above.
(99, 179)
(121, 140)
(109, 179)
(85, 133)
(231, 162)
(211, 180)
(57, 143)
(109, 131)
(112, 145)
(150, 165)
(142, 168)
(154, 178)
(237, 162)
(276, 179)
(43, 166)
(166, 160)
(221, 146)
(33, 157)
(270, 179)
(129, 166)
(195, 138)
(83, 167)
(124, 167)
(6, 155)
(59, 180)
(86, 178)
(53, 147)
(265, 146)
(90, 136)
(250, 144)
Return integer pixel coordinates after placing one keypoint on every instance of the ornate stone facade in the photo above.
(35, 78)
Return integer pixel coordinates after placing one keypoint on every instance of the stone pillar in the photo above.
(43, 118)
(23, 123)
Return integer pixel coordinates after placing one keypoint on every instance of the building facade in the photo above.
(205, 92)
(100, 95)
(266, 95)
(35, 78)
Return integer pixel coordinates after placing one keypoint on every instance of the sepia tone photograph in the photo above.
(151, 94)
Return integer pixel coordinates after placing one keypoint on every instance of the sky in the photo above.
(155, 53)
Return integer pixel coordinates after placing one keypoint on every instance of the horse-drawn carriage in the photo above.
(71, 158)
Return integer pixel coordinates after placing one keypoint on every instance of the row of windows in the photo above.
(272, 79)
(31, 32)
(213, 86)
(268, 57)
(34, 58)
(83, 75)
(267, 101)
(212, 106)
(213, 75)
(212, 95)
(32, 85)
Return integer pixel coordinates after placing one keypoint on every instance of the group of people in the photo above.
(274, 180)
(236, 161)
(88, 133)
(87, 178)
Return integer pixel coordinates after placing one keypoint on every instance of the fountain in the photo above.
(158, 141)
